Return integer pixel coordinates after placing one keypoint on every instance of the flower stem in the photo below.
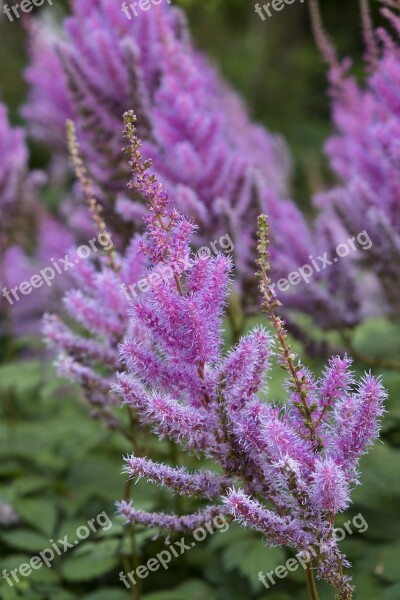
(311, 585)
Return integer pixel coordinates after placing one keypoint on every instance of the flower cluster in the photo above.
(221, 169)
(8, 516)
(364, 154)
(85, 339)
(218, 165)
(284, 471)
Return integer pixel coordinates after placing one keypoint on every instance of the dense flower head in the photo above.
(221, 169)
(284, 471)
(106, 64)
(218, 165)
(364, 154)
(86, 336)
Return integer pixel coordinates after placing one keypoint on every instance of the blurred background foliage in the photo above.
(59, 468)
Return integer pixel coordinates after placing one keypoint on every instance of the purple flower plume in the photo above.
(364, 154)
(220, 168)
(95, 321)
(285, 471)
(282, 470)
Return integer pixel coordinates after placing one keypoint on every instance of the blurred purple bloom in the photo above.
(364, 154)
(29, 236)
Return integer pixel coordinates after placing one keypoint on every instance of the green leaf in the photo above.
(249, 557)
(8, 593)
(59, 594)
(22, 377)
(30, 484)
(193, 589)
(392, 593)
(41, 575)
(12, 561)
(233, 534)
(367, 587)
(86, 475)
(40, 514)
(87, 567)
(24, 539)
(380, 474)
(389, 562)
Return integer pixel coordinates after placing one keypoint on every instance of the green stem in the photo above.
(130, 529)
(311, 585)
(236, 319)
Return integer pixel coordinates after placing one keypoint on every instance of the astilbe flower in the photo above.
(218, 165)
(85, 338)
(364, 154)
(106, 64)
(29, 235)
(221, 169)
(282, 471)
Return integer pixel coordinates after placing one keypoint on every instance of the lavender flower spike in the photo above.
(283, 472)
(363, 153)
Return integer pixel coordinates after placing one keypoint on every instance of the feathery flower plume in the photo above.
(221, 169)
(218, 165)
(285, 472)
(363, 153)
(86, 339)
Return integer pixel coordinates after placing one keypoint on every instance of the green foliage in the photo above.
(59, 469)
